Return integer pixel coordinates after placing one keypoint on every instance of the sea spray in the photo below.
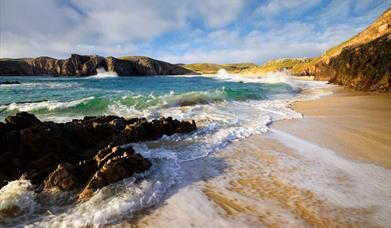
(17, 198)
(102, 73)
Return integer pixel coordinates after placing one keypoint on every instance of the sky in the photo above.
(182, 31)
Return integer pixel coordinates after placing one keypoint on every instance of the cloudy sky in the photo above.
(184, 31)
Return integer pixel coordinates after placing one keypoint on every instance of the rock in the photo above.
(78, 155)
(117, 165)
(364, 67)
(63, 178)
(85, 65)
(21, 120)
(9, 83)
(185, 127)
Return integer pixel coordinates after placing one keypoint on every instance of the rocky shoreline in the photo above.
(80, 156)
(86, 65)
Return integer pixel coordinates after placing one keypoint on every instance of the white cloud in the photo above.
(274, 8)
(294, 39)
(199, 31)
(30, 28)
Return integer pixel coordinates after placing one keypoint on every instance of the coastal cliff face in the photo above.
(362, 62)
(138, 65)
(85, 65)
(365, 67)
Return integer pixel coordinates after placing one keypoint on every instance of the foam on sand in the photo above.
(343, 182)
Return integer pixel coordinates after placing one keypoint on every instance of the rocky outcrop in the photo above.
(85, 65)
(362, 62)
(365, 67)
(139, 65)
(82, 155)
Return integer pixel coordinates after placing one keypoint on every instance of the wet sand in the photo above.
(328, 169)
(355, 124)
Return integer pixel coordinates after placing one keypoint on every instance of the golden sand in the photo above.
(355, 124)
(261, 184)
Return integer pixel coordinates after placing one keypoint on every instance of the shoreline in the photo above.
(292, 178)
(355, 124)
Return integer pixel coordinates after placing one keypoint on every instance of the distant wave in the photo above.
(102, 73)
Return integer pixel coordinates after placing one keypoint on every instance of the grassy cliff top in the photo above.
(275, 65)
(213, 68)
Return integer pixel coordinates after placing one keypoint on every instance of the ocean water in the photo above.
(226, 108)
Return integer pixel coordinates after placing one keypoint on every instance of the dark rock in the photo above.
(21, 120)
(9, 83)
(185, 127)
(63, 178)
(117, 165)
(78, 155)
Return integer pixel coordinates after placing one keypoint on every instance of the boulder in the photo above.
(22, 120)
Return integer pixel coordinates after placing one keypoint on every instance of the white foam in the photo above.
(365, 186)
(102, 73)
(19, 197)
(48, 105)
(41, 85)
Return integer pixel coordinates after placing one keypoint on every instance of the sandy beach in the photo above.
(328, 169)
(355, 124)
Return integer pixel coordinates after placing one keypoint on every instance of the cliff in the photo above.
(362, 62)
(84, 65)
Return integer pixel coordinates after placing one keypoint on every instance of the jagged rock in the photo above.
(117, 165)
(63, 178)
(185, 127)
(84, 65)
(81, 154)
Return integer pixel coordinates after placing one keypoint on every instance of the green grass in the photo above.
(213, 68)
(276, 65)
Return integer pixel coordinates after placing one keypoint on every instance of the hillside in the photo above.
(84, 65)
(362, 62)
(212, 68)
(275, 65)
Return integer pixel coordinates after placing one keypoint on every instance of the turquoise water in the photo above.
(65, 98)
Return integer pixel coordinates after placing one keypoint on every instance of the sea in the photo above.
(226, 108)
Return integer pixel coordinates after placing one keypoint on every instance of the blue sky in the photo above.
(221, 31)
